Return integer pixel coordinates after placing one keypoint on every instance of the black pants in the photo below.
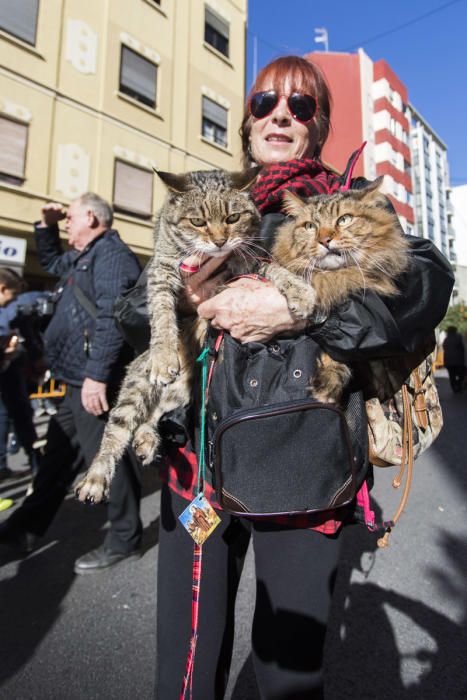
(294, 574)
(15, 407)
(72, 433)
(456, 377)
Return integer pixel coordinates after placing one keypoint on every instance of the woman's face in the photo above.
(279, 137)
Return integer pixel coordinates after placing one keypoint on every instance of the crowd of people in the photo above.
(285, 126)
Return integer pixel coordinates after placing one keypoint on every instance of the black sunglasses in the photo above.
(302, 107)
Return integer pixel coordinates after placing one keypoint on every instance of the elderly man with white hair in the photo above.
(85, 350)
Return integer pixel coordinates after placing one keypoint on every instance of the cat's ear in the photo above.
(245, 179)
(371, 187)
(175, 183)
(292, 204)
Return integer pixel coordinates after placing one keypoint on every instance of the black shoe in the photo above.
(20, 540)
(101, 558)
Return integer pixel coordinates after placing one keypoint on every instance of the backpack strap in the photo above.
(406, 460)
(420, 405)
(85, 301)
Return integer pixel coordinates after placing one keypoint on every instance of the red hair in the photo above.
(303, 76)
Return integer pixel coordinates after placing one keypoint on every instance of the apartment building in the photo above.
(430, 176)
(457, 228)
(94, 95)
(369, 104)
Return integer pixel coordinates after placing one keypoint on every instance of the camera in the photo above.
(39, 311)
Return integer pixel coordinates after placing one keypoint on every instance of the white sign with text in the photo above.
(12, 250)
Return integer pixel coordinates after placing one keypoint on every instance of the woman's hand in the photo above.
(250, 310)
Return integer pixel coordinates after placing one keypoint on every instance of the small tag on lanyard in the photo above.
(199, 519)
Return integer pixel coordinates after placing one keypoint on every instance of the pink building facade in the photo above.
(369, 104)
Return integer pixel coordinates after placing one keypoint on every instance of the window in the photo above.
(133, 189)
(19, 18)
(13, 141)
(214, 122)
(216, 31)
(138, 77)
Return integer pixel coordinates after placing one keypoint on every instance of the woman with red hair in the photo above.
(286, 123)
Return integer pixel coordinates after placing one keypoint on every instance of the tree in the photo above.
(456, 316)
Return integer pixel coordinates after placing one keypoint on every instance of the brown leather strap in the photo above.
(407, 459)
(421, 409)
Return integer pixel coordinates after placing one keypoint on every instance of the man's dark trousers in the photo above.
(73, 433)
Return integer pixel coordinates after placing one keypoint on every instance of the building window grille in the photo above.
(216, 31)
(214, 122)
(138, 77)
(13, 143)
(133, 189)
(19, 18)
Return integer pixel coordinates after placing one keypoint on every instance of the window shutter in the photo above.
(138, 74)
(133, 188)
(220, 25)
(20, 18)
(214, 112)
(13, 139)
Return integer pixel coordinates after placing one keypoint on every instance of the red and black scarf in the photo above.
(303, 176)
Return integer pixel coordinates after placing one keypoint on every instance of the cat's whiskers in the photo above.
(188, 253)
(374, 263)
(357, 264)
(263, 250)
(252, 253)
(310, 268)
(243, 256)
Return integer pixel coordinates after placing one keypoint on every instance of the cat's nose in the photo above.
(325, 241)
(219, 242)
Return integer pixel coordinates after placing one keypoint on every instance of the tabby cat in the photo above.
(209, 213)
(336, 245)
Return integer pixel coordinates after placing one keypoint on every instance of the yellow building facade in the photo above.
(94, 94)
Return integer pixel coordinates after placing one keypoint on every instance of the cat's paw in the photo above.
(94, 488)
(330, 378)
(301, 302)
(165, 369)
(323, 396)
(145, 443)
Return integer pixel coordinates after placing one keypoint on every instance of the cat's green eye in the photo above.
(310, 226)
(198, 222)
(344, 220)
(232, 219)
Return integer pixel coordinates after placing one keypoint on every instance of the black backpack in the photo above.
(273, 449)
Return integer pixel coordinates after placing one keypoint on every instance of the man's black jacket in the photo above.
(103, 270)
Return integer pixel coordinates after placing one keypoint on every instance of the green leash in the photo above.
(204, 379)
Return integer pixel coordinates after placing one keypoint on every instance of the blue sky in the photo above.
(429, 53)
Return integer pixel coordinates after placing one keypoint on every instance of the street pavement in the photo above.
(398, 626)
